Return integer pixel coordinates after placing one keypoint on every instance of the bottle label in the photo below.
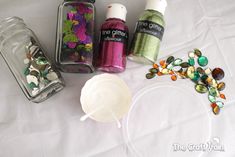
(114, 35)
(151, 28)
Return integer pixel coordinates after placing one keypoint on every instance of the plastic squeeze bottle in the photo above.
(113, 40)
(148, 33)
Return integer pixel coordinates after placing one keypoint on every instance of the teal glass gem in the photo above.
(196, 76)
(150, 75)
(204, 78)
(191, 61)
(220, 104)
(211, 98)
(170, 59)
(26, 71)
(202, 61)
(44, 73)
(32, 85)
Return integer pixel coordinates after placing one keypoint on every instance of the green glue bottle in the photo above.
(148, 33)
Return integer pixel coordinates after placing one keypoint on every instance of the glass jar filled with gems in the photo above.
(75, 35)
(22, 52)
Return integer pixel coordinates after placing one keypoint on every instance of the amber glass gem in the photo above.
(213, 105)
(173, 77)
(216, 110)
(162, 62)
(221, 86)
(222, 96)
(171, 72)
(159, 73)
(155, 66)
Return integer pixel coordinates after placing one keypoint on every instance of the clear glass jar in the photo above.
(27, 61)
(75, 36)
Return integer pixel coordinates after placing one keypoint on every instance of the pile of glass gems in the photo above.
(38, 71)
(205, 79)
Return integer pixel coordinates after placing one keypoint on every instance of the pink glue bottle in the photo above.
(113, 40)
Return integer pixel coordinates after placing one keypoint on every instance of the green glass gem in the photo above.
(197, 52)
(150, 75)
(34, 73)
(170, 66)
(32, 85)
(200, 88)
(196, 76)
(153, 70)
(70, 38)
(41, 61)
(202, 61)
(26, 71)
(220, 104)
(44, 73)
(178, 61)
(213, 91)
(211, 98)
(177, 68)
(190, 72)
(170, 59)
(191, 54)
(88, 17)
(165, 71)
(191, 61)
(208, 71)
(200, 70)
(67, 26)
(185, 65)
(80, 47)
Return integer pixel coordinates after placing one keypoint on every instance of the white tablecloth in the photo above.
(53, 129)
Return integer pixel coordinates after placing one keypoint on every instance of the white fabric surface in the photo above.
(53, 129)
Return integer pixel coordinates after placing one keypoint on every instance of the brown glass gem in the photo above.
(218, 74)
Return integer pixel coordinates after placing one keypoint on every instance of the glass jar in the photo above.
(75, 36)
(27, 61)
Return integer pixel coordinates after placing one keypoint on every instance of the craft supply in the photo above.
(148, 33)
(205, 79)
(27, 61)
(113, 40)
(75, 35)
(105, 98)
